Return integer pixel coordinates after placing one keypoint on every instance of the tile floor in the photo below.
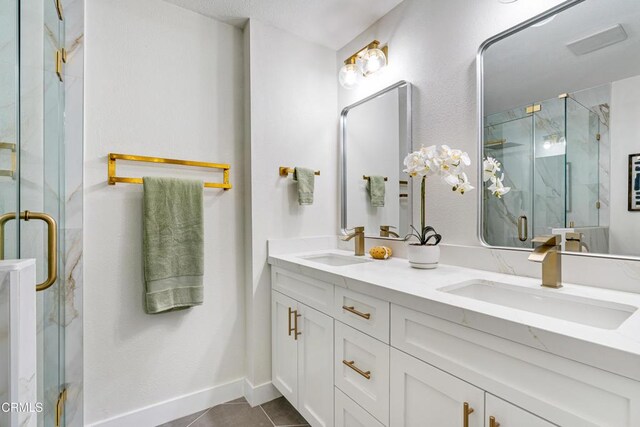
(238, 413)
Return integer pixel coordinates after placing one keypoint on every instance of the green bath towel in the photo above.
(305, 178)
(173, 243)
(376, 188)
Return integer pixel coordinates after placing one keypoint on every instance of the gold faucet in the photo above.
(548, 253)
(358, 233)
(385, 231)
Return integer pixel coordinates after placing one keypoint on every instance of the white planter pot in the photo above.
(425, 257)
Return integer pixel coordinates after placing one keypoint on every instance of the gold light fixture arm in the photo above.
(375, 44)
(52, 235)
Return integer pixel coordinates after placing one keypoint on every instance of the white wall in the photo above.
(625, 140)
(160, 81)
(433, 44)
(293, 122)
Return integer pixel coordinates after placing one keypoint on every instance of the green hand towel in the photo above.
(173, 243)
(305, 178)
(376, 189)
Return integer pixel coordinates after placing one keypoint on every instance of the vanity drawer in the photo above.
(362, 370)
(350, 414)
(314, 293)
(367, 314)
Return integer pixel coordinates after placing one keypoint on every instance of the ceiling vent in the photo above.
(604, 38)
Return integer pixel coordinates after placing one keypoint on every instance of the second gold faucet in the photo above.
(358, 233)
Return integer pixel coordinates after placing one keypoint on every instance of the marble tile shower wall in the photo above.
(73, 131)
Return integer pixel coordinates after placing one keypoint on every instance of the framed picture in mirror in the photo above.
(634, 182)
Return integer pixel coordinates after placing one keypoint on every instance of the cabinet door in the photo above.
(350, 414)
(507, 415)
(284, 347)
(424, 395)
(315, 367)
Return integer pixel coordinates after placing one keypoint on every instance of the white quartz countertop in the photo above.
(614, 350)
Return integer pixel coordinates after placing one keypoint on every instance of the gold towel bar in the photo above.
(366, 178)
(113, 179)
(285, 171)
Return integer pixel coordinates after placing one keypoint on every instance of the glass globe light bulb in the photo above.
(373, 60)
(349, 76)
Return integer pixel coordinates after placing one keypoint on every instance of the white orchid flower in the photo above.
(497, 188)
(490, 167)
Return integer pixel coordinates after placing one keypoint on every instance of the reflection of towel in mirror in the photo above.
(305, 178)
(376, 189)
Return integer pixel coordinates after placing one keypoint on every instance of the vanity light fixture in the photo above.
(365, 62)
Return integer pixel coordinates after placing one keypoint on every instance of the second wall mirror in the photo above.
(375, 138)
(560, 110)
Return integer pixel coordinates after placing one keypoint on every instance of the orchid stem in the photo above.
(422, 204)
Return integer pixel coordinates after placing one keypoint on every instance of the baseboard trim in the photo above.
(257, 395)
(177, 407)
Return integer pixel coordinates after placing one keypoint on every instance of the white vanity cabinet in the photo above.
(364, 360)
(302, 358)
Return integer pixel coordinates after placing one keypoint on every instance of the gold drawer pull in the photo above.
(352, 365)
(353, 310)
(493, 422)
(466, 411)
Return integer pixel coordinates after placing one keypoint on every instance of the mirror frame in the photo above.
(480, 100)
(343, 155)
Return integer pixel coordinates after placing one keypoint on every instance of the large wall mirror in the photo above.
(559, 101)
(375, 138)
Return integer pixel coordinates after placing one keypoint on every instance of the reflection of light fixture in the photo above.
(364, 62)
(544, 21)
(552, 140)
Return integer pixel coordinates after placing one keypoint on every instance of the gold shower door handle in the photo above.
(493, 422)
(523, 228)
(52, 234)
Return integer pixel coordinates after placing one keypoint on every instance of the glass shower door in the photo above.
(31, 172)
(508, 139)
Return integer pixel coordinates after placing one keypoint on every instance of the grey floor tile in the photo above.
(282, 413)
(238, 415)
(184, 421)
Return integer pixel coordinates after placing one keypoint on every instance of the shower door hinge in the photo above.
(12, 147)
(598, 204)
(59, 10)
(61, 58)
(598, 136)
(533, 108)
(62, 397)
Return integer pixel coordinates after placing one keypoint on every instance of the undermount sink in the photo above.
(335, 260)
(586, 311)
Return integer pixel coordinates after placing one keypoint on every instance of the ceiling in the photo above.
(331, 23)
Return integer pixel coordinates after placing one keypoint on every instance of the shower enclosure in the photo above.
(32, 164)
(550, 155)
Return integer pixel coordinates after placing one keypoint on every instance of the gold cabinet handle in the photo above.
(493, 422)
(295, 324)
(523, 228)
(466, 411)
(52, 234)
(352, 365)
(353, 310)
(289, 321)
